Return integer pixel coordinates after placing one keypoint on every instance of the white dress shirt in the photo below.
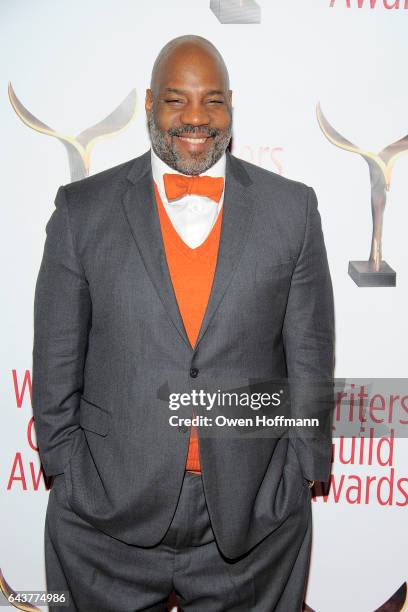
(192, 216)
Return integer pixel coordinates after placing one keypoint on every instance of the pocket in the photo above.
(94, 418)
(293, 463)
(270, 270)
(60, 489)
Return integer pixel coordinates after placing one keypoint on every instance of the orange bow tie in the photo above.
(177, 186)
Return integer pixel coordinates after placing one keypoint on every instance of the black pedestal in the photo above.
(364, 275)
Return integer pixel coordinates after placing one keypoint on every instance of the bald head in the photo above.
(188, 49)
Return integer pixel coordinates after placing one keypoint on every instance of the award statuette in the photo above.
(79, 148)
(236, 11)
(375, 272)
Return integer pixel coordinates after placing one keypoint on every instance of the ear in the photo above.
(230, 96)
(148, 100)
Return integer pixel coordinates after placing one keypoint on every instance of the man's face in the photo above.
(189, 112)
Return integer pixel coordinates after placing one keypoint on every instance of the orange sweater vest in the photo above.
(192, 274)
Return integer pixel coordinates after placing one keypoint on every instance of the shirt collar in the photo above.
(159, 167)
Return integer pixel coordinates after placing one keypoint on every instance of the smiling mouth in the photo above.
(193, 140)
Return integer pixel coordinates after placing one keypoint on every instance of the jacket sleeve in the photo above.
(308, 335)
(62, 316)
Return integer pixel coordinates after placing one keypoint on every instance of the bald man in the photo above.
(180, 273)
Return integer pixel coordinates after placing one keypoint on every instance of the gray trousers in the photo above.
(103, 574)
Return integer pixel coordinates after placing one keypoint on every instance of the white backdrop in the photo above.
(71, 63)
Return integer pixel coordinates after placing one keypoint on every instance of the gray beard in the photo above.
(194, 165)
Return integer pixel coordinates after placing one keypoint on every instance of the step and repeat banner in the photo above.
(320, 95)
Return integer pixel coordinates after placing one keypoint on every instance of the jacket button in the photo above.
(182, 428)
(194, 372)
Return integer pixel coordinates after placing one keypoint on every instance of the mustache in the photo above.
(192, 129)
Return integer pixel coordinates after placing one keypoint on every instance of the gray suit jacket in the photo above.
(109, 344)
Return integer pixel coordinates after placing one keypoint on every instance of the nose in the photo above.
(195, 113)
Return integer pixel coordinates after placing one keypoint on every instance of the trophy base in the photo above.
(236, 11)
(364, 275)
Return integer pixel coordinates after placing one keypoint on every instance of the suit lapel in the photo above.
(140, 208)
(141, 211)
(238, 209)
